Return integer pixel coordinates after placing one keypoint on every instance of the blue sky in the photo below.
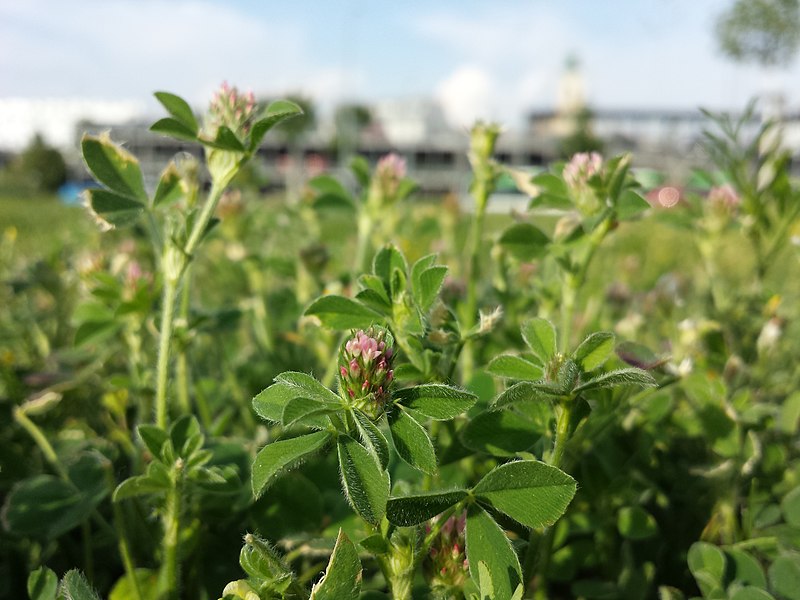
(479, 58)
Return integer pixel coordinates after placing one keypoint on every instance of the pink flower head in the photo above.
(724, 197)
(582, 167)
(389, 172)
(365, 370)
(446, 564)
(231, 109)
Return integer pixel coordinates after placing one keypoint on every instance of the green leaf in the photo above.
(488, 544)
(784, 577)
(262, 561)
(388, 260)
(305, 411)
(501, 432)
(225, 140)
(75, 587)
(278, 457)
(169, 188)
(526, 391)
(146, 582)
(45, 507)
(333, 202)
(514, 367)
(708, 564)
(594, 350)
(412, 442)
(436, 401)
(635, 523)
(366, 485)
(746, 569)
(338, 312)
(630, 205)
(42, 584)
(750, 592)
(139, 485)
(112, 208)
(790, 414)
(96, 331)
(179, 109)
(406, 511)
(277, 112)
(524, 241)
(342, 579)
(153, 437)
(619, 377)
(540, 336)
(372, 438)
(185, 435)
(174, 129)
(360, 168)
(530, 492)
(426, 281)
(375, 544)
(270, 403)
(113, 166)
(328, 185)
(305, 385)
(790, 506)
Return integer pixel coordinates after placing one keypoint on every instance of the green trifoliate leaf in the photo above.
(407, 511)
(174, 129)
(708, 565)
(304, 411)
(784, 576)
(487, 543)
(527, 391)
(153, 437)
(635, 523)
(540, 335)
(225, 139)
(426, 281)
(594, 350)
(338, 312)
(372, 438)
(389, 264)
(411, 441)
(630, 205)
(530, 492)
(619, 377)
(524, 241)
(169, 187)
(113, 210)
(305, 385)
(140, 485)
(269, 404)
(185, 435)
(342, 579)
(42, 584)
(746, 569)
(276, 112)
(179, 109)
(436, 401)
(278, 457)
(114, 167)
(75, 587)
(502, 432)
(366, 485)
(514, 367)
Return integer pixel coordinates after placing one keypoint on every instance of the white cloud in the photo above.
(466, 95)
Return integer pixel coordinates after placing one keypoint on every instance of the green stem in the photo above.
(544, 542)
(41, 441)
(170, 568)
(164, 339)
(469, 315)
(365, 227)
(125, 550)
(182, 362)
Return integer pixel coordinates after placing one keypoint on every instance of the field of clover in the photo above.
(359, 392)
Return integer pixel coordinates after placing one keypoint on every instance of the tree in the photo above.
(766, 32)
(42, 166)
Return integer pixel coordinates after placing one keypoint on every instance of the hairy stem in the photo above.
(169, 583)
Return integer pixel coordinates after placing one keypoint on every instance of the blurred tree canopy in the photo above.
(37, 169)
(766, 32)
